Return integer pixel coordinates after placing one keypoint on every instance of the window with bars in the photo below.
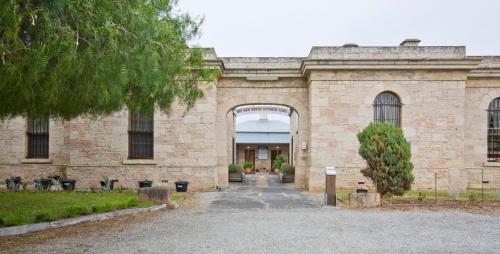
(387, 108)
(38, 138)
(494, 130)
(140, 136)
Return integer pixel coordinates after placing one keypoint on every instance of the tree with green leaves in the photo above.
(67, 58)
(388, 156)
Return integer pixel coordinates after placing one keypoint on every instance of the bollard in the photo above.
(330, 192)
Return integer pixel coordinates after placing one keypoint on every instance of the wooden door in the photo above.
(274, 153)
(250, 156)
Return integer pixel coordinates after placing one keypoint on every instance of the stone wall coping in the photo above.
(36, 161)
(139, 162)
(491, 164)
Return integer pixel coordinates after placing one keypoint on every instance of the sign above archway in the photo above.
(270, 109)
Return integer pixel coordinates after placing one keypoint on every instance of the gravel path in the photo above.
(278, 219)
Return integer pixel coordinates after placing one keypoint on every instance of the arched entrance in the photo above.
(230, 97)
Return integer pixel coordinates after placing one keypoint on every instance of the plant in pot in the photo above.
(288, 173)
(278, 162)
(66, 184)
(145, 183)
(42, 184)
(248, 167)
(181, 186)
(235, 173)
(107, 184)
(13, 182)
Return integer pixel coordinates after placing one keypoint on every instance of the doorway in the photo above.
(274, 154)
(250, 156)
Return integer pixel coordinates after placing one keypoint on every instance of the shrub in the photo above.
(42, 216)
(287, 169)
(278, 162)
(235, 168)
(247, 164)
(388, 155)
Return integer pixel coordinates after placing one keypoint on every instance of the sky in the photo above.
(291, 27)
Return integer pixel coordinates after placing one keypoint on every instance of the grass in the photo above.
(19, 208)
(469, 194)
(175, 197)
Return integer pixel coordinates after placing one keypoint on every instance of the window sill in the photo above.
(36, 161)
(139, 162)
(491, 164)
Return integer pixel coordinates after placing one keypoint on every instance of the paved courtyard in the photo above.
(263, 216)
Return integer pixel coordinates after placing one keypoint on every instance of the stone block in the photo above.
(364, 200)
(156, 194)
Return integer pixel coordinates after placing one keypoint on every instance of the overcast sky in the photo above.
(292, 27)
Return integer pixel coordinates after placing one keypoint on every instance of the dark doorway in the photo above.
(274, 153)
(250, 156)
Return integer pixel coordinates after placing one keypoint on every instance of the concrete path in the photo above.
(251, 218)
(263, 191)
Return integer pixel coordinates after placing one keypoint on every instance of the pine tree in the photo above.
(67, 58)
(388, 156)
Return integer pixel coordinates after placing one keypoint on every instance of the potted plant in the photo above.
(235, 173)
(66, 184)
(13, 182)
(181, 186)
(248, 167)
(107, 184)
(280, 159)
(145, 183)
(287, 173)
(42, 183)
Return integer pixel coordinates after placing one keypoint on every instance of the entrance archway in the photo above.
(230, 97)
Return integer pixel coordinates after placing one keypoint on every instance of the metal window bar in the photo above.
(38, 138)
(494, 130)
(387, 108)
(141, 136)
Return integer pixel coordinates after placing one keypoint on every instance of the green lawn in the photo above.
(18, 208)
(175, 197)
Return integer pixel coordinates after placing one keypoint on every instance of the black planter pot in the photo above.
(68, 184)
(111, 184)
(43, 184)
(145, 184)
(13, 183)
(181, 186)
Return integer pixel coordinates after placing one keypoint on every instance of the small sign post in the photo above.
(330, 192)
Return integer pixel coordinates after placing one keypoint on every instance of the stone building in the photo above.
(445, 102)
(261, 141)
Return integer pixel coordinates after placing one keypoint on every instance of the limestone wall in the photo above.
(432, 120)
(479, 94)
(184, 148)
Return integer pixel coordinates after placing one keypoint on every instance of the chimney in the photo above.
(410, 43)
(263, 116)
(350, 45)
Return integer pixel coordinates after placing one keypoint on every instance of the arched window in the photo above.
(494, 130)
(387, 108)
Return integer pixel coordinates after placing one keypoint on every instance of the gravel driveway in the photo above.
(279, 219)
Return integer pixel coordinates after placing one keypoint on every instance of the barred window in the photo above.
(494, 130)
(140, 136)
(38, 138)
(387, 108)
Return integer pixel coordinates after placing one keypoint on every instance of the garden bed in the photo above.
(20, 208)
